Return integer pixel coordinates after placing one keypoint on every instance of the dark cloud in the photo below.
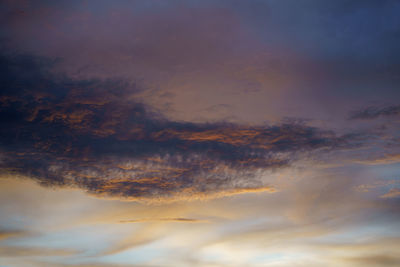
(370, 113)
(376, 260)
(95, 135)
(34, 251)
(323, 53)
(5, 234)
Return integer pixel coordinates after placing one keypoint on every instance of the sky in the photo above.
(218, 133)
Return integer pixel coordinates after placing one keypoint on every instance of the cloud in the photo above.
(96, 135)
(376, 184)
(177, 219)
(370, 113)
(385, 159)
(7, 251)
(376, 260)
(393, 193)
(5, 234)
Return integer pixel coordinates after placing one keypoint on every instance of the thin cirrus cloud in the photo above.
(370, 113)
(178, 219)
(95, 135)
(385, 159)
(393, 193)
(5, 234)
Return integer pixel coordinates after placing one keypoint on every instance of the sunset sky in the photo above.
(215, 133)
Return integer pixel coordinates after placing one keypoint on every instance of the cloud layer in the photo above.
(97, 136)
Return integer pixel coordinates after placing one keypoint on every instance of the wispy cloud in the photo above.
(18, 251)
(375, 260)
(385, 159)
(5, 234)
(393, 193)
(177, 219)
(370, 113)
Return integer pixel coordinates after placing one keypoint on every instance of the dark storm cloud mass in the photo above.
(370, 113)
(95, 135)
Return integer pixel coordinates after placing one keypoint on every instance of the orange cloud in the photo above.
(386, 159)
(178, 219)
(393, 193)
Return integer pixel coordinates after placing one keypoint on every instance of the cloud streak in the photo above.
(393, 193)
(371, 113)
(177, 219)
